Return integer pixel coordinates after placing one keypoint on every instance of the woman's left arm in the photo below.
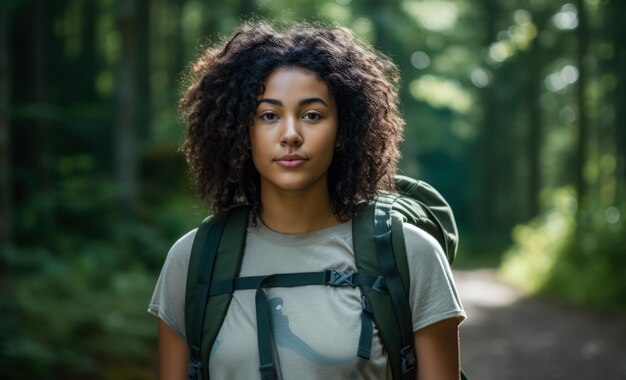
(437, 350)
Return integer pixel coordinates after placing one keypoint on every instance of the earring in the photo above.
(339, 148)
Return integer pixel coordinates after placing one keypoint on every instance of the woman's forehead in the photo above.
(295, 82)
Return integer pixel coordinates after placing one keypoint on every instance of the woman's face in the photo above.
(294, 131)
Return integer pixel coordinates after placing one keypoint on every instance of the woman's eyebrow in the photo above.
(275, 102)
(302, 102)
(311, 100)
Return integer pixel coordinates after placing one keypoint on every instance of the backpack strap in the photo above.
(384, 307)
(212, 258)
(389, 216)
(383, 227)
(330, 277)
(205, 247)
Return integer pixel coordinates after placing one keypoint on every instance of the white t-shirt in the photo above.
(315, 328)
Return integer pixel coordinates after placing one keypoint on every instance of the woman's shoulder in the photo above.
(420, 244)
(180, 251)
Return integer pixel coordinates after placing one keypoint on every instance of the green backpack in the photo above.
(382, 275)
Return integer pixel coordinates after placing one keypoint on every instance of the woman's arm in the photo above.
(437, 350)
(173, 354)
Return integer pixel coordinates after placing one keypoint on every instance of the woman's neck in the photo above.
(294, 212)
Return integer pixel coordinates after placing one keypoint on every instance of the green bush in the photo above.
(82, 275)
(78, 318)
(583, 264)
(593, 270)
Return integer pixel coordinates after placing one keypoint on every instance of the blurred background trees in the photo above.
(515, 111)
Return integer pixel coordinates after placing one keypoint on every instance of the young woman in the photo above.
(302, 125)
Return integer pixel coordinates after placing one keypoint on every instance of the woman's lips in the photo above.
(290, 163)
(290, 160)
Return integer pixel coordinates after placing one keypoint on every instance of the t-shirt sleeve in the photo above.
(168, 299)
(433, 296)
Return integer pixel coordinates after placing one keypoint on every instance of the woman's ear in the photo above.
(339, 146)
(339, 142)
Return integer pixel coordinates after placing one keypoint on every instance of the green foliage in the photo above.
(592, 271)
(538, 245)
(76, 316)
(80, 295)
(582, 264)
(79, 307)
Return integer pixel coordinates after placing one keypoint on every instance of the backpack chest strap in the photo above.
(330, 277)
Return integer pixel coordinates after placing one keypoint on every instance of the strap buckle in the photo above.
(380, 285)
(367, 308)
(407, 359)
(337, 277)
(194, 370)
(267, 371)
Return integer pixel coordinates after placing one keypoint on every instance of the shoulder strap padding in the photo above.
(367, 261)
(192, 272)
(226, 266)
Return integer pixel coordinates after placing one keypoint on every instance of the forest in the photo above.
(515, 111)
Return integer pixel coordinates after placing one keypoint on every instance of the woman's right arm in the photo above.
(173, 354)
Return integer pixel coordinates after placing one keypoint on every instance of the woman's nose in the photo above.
(291, 133)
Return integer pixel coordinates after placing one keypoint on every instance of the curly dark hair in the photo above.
(221, 98)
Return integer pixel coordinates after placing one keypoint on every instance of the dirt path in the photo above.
(509, 336)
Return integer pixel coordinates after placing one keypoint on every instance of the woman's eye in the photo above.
(269, 116)
(312, 116)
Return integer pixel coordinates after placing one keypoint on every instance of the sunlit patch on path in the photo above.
(481, 288)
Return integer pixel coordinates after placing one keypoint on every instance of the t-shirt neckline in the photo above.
(313, 237)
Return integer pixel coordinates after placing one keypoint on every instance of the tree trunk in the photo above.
(619, 126)
(613, 14)
(488, 185)
(6, 225)
(126, 158)
(378, 12)
(88, 68)
(583, 122)
(535, 133)
(143, 68)
(536, 59)
(41, 32)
